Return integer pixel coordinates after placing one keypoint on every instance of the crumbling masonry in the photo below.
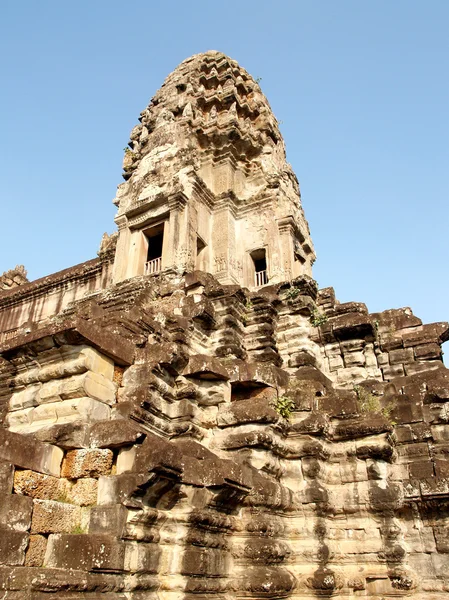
(188, 416)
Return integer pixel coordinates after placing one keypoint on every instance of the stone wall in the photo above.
(23, 307)
(183, 478)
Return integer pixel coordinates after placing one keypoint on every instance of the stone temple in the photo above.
(187, 416)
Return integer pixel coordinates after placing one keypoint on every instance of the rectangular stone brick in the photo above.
(6, 477)
(50, 516)
(109, 519)
(401, 356)
(442, 539)
(85, 552)
(141, 557)
(392, 371)
(442, 468)
(89, 384)
(12, 547)
(37, 485)
(427, 351)
(87, 462)
(27, 453)
(15, 512)
(35, 553)
(354, 359)
(420, 470)
(435, 486)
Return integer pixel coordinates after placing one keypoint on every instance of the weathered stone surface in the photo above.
(6, 477)
(83, 492)
(110, 434)
(12, 547)
(35, 553)
(225, 428)
(37, 485)
(85, 552)
(50, 516)
(15, 512)
(87, 463)
(28, 453)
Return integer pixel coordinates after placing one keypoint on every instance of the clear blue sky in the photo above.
(361, 89)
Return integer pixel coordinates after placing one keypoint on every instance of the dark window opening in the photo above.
(200, 245)
(155, 246)
(260, 264)
(260, 267)
(155, 239)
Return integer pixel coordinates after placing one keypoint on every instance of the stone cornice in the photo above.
(42, 286)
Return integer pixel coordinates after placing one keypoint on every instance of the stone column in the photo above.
(286, 235)
(178, 251)
(223, 242)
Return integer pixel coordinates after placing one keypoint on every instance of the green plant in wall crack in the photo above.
(292, 293)
(370, 404)
(284, 406)
(317, 318)
(78, 529)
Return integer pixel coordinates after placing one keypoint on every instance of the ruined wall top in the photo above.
(13, 278)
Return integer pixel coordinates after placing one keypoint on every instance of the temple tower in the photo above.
(207, 185)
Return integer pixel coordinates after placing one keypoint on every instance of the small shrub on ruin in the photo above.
(78, 529)
(292, 293)
(284, 406)
(317, 318)
(369, 403)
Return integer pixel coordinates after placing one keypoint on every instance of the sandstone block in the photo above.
(49, 392)
(65, 435)
(422, 367)
(247, 411)
(392, 371)
(98, 363)
(81, 409)
(420, 470)
(87, 463)
(142, 557)
(6, 477)
(354, 359)
(383, 359)
(61, 368)
(111, 434)
(35, 553)
(19, 420)
(442, 539)
(428, 351)
(85, 552)
(15, 512)
(28, 453)
(37, 485)
(351, 375)
(110, 519)
(115, 489)
(83, 492)
(401, 356)
(353, 470)
(442, 468)
(434, 487)
(335, 363)
(12, 547)
(89, 384)
(50, 516)
(24, 398)
(45, 414)
(125, 459)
